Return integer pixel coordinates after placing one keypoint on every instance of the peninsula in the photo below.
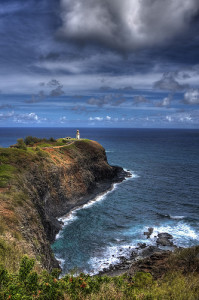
(41, 180)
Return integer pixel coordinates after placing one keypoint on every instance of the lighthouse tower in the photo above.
(77, 135)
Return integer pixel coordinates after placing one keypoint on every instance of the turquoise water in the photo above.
(163, 193)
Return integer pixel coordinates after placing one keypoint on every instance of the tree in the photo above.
(21, 144)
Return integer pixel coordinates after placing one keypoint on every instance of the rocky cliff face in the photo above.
(54, 181)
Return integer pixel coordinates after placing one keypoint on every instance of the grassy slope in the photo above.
(14, 204)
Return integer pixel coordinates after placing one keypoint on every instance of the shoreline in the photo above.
(142, 256)
(101, 189)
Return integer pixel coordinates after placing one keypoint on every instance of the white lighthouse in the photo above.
(78, 135)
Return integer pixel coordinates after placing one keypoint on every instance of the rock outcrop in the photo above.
(53, 181)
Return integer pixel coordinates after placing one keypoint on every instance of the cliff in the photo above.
(37, 186)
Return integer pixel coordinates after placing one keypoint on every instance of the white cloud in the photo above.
(183, 117)
(192, 96)
(28, 118)
(126, 24)
(6, 115)
(63, 119)
(165, 102)
(96, 119)
(108, 118)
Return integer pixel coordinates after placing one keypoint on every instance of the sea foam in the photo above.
(109, 256)
(181, 232)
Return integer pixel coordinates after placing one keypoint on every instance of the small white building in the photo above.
(78, 135)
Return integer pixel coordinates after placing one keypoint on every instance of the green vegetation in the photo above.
(29, 284)
(13, 160)
(32, 141)
(6, 174)
(21, 144)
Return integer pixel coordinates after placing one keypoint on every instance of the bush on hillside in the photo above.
(29, 140)
(21, 144)
(28, 284)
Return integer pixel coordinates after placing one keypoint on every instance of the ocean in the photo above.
(162, 193)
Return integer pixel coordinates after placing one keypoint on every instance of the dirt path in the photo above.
(56, 147)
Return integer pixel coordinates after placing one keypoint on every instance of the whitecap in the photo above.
(177, 217)
(133, 175)
(69, 218)
(60, 260)
(182, 233)
(110, 256)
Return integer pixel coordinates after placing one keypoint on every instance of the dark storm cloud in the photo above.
(42, 39)
(139, 99)
(79, 108)
(169, 83)
(118, 102)
(109, 99)
(98, 101)
(53, 89)
(127, 24)
(57, 88)
(56, 92)
(106, 88)
(127, 89)
(36, 97)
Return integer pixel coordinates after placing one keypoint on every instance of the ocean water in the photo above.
(162, 193)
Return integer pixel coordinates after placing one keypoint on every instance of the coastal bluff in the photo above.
(39, 185)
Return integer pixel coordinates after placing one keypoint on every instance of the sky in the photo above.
(99, 63)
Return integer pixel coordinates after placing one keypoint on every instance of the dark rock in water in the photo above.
(164, 242)
(164, 239)
(150, 250)
(104, 269)
(149, 232)
(133, 255)
(142, 245)
(165, 235)
(123, 259)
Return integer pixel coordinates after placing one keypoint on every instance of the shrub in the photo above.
(28, 284)
(52, 140)
(31, 140)
(21, 144)
(25, 267)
